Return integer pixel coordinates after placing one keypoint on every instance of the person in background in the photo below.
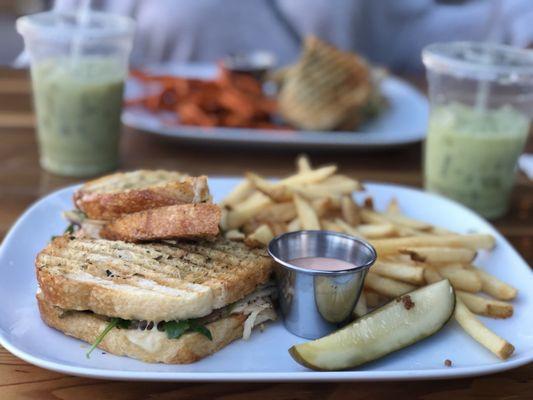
(387, 32)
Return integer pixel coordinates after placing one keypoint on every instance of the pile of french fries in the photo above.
(411, 253)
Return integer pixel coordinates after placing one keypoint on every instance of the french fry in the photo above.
(385, 286)
(461, 279)
(393, 208)
(250, 226)
(495, 287)
(333, 188)
(440, 254)
(401, 272)
(312, 176)
(350, 210)
(260, 237)
(234, 234)
(303, 164)
(483, 306)
(223, 219)
(275, 191)
(373, 217)
(277, 212)
(342, 183)
(402, 220)
(324, 206)
(431, 275)
(406, 231)
(472, 241)
(405, 259)
(376, 231)
(330, 225)
(294, 225)
(278, 227)
(245, 211)
(373, 299)
(369, 216)
(251, 201)
(306, 214)
(480, 333)
(360, 308)
(440, 231)
(238, 194)
(346, 228)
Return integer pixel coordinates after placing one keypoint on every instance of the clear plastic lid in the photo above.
(480, 61)
(62, 26)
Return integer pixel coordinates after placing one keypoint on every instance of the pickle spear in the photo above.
(400, 323)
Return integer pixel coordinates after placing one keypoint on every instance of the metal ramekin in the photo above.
(314, 303)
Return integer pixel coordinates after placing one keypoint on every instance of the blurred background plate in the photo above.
(403, 122)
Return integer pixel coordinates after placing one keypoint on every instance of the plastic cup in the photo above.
(78, 74)
(481, 98)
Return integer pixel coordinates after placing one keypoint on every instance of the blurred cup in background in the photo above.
(78, 65)
(481, 97)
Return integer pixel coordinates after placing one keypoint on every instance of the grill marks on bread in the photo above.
(324, 88)
(183, 280)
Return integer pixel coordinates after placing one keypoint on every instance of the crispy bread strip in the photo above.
(183, 221)
(114, 195)
(148, 346)
(153, 281)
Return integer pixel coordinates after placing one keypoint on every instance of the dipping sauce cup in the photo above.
(78, 74)
(315, 302)
(481, 103)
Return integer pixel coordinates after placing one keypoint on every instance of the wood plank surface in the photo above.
(22, 182)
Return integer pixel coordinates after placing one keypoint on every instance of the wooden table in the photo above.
(22, 182)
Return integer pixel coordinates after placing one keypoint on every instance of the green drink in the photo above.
(471, 155)
(481, 104)
(78, 66)
(78, 114)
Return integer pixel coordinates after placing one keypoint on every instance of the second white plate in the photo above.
(403, 122)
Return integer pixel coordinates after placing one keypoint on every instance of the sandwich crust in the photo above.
(114, 195)
(156, 281)
(148, 346)
(184, 221)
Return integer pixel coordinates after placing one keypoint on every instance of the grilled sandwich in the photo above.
(169, 302)
(327, 89)
(146, 205)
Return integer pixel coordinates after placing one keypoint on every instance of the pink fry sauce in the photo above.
(321, 263)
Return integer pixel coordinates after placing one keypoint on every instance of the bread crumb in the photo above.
(448, 363)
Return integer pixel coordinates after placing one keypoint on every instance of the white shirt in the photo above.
(388, 32)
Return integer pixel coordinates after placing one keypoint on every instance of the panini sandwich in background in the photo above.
(146, 205)
(328, 89)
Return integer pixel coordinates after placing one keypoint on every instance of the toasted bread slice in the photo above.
(184, 221)
(157, 281)
(114, 195)
(149, 346)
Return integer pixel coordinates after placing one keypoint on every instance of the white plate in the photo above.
(264, 357)
(403, 122)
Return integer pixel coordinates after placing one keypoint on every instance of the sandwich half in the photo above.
(146, 205)
(170, 302)
(114, 195)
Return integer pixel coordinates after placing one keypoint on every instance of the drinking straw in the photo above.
(82, 21)
(493, 35)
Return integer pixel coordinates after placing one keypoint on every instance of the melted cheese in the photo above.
(150, 341)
